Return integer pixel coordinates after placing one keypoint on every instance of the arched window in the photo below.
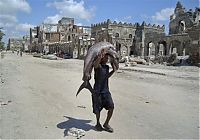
(69, 38)
(116, 34)
(130, 36)
(181, 26)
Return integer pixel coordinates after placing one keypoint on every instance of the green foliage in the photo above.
(1, 37)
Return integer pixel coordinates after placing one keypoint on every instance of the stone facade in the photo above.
(15, 44)
(129, 39)
(150, 40)
(65, 37)
(184, 31)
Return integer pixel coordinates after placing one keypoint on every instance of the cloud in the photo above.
(70, 8)
(23, 27)
(127, 18)
(53, 19)
(8, 17)
(13, 6)
(79, 24)
(7, 20)
(145, 17)
(163, 15)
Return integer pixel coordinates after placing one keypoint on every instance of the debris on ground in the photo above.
(50, 57)
(132, 61)
(75, 132)
(194, 59)
(81, 106)
(5, 103)
(37, 55)
(137, 60)
(173, 60)
(120, 71)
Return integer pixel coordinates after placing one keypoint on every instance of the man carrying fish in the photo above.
(97, 57)
(101, 98)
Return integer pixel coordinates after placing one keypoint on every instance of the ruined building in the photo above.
(128, 38)
(64, 37)
(15, 43)
(184, 30)
(132, 39)
(150, 40)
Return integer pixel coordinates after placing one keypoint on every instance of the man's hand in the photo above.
(114, 67)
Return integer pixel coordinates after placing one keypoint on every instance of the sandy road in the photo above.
(40, 102)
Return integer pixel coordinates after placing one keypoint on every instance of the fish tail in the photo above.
(86, 85)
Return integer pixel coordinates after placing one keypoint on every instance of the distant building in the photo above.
(26, 43)
(64, 37)
(129, 39)
(184, 30)
(34, 33)
(140, 40)
(150, 40)
(15, 43)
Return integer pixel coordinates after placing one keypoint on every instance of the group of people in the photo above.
(19, 52)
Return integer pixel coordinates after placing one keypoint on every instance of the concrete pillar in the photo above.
(142, 51)
(128, 50)
(149, 51)
(183, 51)
(174, 50)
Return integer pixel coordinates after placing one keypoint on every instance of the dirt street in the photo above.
(38, 101)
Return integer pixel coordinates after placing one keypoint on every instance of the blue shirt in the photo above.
(101, 79)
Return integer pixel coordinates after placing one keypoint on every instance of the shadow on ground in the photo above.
(77, 123)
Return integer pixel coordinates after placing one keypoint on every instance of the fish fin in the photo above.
(86, 85)
(81, 87)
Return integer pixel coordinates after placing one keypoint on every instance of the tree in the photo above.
(1, 37)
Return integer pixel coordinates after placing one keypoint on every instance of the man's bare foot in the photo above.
(99, 127)
(108, 128)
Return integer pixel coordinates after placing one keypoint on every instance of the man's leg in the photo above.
(109, 105)
(98, 117)
(109, 115)
(98, 125)
(106, 124)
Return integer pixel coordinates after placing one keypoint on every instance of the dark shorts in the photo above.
(100, 101)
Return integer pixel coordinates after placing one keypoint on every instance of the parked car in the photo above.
(66, 56)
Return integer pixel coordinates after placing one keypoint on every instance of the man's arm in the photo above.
(114, 69)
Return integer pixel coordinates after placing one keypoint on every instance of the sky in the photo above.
(18, 16)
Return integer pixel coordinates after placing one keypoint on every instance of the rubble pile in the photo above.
(75, 132)
(173, 60)
(194, 59)
(48, 56)
(132, 61)
(159, 59)
(137, 60)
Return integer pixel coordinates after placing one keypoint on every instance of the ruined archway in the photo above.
(124, 50)
(175, 47)
(151, 49)
(69, 38)
(162, 48)
(134, 49)
(118, 46)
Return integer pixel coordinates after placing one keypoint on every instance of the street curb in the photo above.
(144, 71)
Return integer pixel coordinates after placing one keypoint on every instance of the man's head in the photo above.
(104, 60)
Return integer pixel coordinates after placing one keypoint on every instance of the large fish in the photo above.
(92, 55)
